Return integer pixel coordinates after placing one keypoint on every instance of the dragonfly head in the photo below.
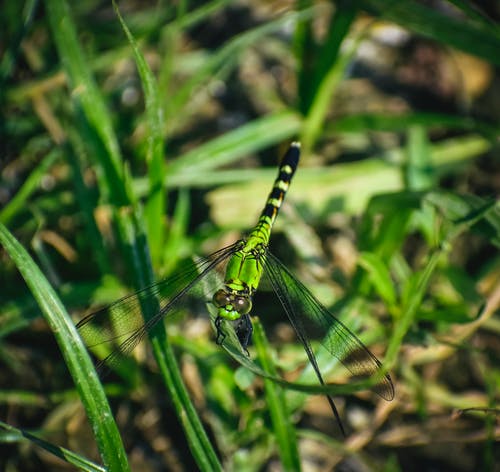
(231, 305)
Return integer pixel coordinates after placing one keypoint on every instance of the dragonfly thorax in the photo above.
(231, 304)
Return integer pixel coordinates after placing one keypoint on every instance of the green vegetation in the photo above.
(139, 138)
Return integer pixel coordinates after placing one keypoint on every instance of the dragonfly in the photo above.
(233, 274)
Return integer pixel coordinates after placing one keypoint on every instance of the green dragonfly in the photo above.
(231, 276)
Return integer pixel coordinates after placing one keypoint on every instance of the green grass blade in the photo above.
(17, 31)
(242, 141)
(304, 46)
(156, 202)
(362, 122)
(419, 170)
(173, 247)
(205, 9)
(315, 61)
(87, 202)
(420, 282)
(30, 185)
(87, 96)
(75, 354)
(16, 434)
(284, 430)
(379, 275)
(315, 119)
(337, 30)
(473, 12)
(461, 33)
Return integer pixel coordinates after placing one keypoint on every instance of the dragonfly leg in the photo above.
(244, 331)
(220, 334)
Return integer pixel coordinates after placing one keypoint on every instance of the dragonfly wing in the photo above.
(279, 282)
(306, 314)
(122, 324)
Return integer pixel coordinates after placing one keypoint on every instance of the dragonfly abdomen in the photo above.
(273, 204)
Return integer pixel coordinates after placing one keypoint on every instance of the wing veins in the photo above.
(340, 341)
(130, 306)
(278, 283)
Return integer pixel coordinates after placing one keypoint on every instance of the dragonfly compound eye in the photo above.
(221, 298)
(242, 305)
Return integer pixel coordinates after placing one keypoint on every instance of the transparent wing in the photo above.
(307, 315)
(121, 324)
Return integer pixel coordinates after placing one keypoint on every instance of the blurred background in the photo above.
(390, 221)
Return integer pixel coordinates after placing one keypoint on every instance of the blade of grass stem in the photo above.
(242, 141)
(87, 202)
(315, 61)
(156, 200)
(321, 104)
(87, 97)
(65, 454)
(473, 37)
(419, 172)
(30, 185)
(284, 430)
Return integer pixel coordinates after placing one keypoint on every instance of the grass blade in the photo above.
(231, 146)
(284, 430)
(156, 203)
(29, 186)
(68, 456)
(87, 96)
(475, 38)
